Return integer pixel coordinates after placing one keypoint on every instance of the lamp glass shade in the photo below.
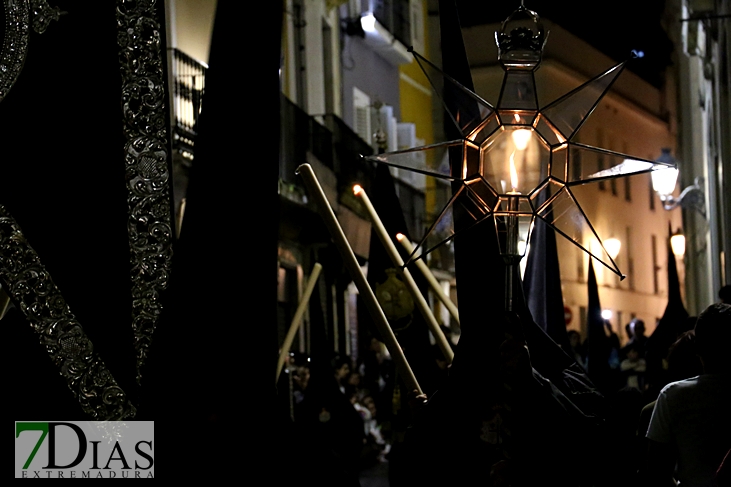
(514, 159)
(612, 245)
(677, 243)
(664, 180)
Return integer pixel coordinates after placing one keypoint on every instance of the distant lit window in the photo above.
(362, 114)
(655, 267)
(417, 25)
(630, 258)
(600, 166)
(600, 162)
(580, 261)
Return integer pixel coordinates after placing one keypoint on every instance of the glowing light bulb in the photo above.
(368, 22)
(677, 242)
(521, 137)
(612, 245)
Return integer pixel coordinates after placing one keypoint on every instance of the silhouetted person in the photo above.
(638, 338)
(725, 294)
(330, 426)
(633, 369)
(577, 349)
(690, 428)
(683, 363)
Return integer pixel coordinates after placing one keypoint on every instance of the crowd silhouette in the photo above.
(354, 416)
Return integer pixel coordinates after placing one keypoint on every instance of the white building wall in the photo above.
(314, 13)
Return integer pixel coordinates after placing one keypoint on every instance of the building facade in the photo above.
(699, 30)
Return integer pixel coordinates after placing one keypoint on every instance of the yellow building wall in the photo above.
(416, 106)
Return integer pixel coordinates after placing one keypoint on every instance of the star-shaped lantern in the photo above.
(517, 162)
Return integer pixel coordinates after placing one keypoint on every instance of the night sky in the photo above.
(615, 28)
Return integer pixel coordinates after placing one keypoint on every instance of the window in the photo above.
(300, 73)
(600, 162)
(627, 179)
(417, 25)
(395, 16)
(580, 259)
(287, 299)
(362, 115)
(655, 267)
(600, 165)
(630, 259)
(327, 64)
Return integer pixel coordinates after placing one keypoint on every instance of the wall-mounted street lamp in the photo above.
(664, 181)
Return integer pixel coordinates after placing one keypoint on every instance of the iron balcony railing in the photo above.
(395, 16)
(348, 148)
(300, 134)
(189, 83)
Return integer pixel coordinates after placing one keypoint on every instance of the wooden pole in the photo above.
(351, 263)
(433, 283)
(393, 253)
(297, 319)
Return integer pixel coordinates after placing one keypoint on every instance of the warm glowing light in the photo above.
(516, 117)
(521, 137)
(400, 236)
(513, 172)
(521, 246)
(663, 180)
(607, 314)
(677, 242)
(357, 189)
(612, 245)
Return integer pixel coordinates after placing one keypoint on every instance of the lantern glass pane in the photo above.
(587, 164)
(569, 112)
(565, 215)
(465, 108)
(519, 91)
(507, 167)
(425, 160)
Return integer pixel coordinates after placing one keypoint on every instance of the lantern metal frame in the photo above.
(476, 190)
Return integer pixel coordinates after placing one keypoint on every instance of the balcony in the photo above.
(301, 134)
(189, 81)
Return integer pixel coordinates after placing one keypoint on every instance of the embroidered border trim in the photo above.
(37, 297)
(15, 43)
(146, 155)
